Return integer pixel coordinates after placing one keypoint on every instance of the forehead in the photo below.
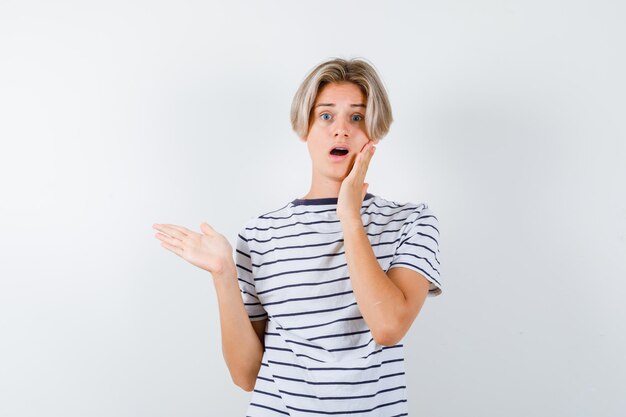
(332, 92)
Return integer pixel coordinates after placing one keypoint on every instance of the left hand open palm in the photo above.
(353, 188)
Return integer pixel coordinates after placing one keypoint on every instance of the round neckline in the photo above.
(321, 201)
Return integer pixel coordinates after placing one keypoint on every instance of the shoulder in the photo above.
(267, 220)
(409, 211)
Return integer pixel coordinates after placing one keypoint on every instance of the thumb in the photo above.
(207, 229)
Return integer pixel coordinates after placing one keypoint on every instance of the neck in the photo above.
(323, 188)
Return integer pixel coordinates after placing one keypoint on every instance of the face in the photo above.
(337, 120)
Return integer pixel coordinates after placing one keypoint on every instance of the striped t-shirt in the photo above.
(320, 357)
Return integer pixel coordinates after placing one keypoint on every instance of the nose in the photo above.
(341, 129)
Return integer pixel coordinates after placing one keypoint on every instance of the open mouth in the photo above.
(339, 151)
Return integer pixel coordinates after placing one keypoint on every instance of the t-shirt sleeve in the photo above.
(419, 247)
(245, 278)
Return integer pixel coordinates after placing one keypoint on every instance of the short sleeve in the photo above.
(245, 279)
(418, 248)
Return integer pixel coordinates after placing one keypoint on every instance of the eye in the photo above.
(325, 114)
(357, 118)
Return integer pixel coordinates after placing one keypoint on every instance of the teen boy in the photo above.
(323, 290)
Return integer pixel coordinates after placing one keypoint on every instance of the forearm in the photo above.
(380, 301)
(241, 347)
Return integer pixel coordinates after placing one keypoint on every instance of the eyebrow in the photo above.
(333, 105)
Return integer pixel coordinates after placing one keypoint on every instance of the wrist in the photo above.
(351, 222)
(227, 271)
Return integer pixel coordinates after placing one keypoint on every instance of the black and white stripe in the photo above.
(320, 357)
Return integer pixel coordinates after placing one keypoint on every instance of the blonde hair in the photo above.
(378, 115)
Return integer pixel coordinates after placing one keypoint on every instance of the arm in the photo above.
(242, 345)
(241, 342)
(388, 302)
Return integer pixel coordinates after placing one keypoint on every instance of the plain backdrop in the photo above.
(114, 115)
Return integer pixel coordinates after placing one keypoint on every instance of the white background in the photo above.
(509, 123)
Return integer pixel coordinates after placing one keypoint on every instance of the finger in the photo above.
(368, 153)
(172, 241)
(171, 230)
(365, 146)
(181, 229)
(207, 229)
(365, 185)
(353, 168)
(178, 251)
(359, 156)
(367, 158)
(363, 159)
